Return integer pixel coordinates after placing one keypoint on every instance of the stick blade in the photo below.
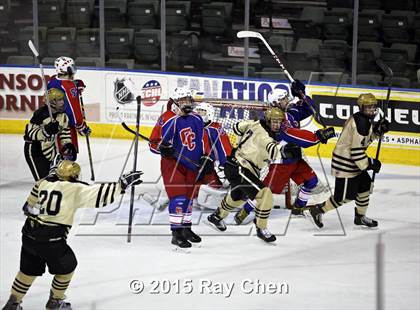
(33, 48)
(384, 67)
(248, 34)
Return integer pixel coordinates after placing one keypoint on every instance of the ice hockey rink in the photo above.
(334, 268)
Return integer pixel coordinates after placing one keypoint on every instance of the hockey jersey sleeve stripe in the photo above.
(361, 158)
(113, 192)
(106, 195)
(343, 158)
(236, 129)
(345, 164)
(98, 199)
(344, 170)
(301, 137)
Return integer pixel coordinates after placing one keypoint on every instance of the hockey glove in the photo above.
(69, 152)
(298, 89)
(374, 164)
(325, 134)
(50, 129)
(220, 171)
(28, 210)
(80, 86)
(206, 166)
(381, 127)
(84, 130)
(291, 151)
(166, 150)
(131, 178)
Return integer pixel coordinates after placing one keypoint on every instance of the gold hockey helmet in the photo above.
(67, 170)
(273, 114)
(366, 99)
(55, 94)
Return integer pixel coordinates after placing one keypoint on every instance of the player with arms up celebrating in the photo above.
(255, 148)
(50, 210)
(350, 163)
(64, 80)
(178, 138)
(295, 167)
(43, 135)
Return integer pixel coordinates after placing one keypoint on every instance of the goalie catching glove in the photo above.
(131, 178)
(325, 134)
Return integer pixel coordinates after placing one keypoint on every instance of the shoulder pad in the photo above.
(39, 115)
(363, 123)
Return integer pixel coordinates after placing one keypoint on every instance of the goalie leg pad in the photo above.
(210, 197)
(263, 208)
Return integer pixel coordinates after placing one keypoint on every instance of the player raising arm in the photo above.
(50, 210)
(350, 163)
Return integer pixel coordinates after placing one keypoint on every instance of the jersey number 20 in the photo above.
(53, 203)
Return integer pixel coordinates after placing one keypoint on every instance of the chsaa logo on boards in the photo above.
(122, 93)
(150, 93)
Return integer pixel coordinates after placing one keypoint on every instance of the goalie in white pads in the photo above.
(350, 163)
(255, 148)
(212, 186)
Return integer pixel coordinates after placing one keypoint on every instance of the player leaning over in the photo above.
(295, 168)
(350, 163)
(64, 80)
(178, 138)
(50, 210)
(256, 146)
(44, 138)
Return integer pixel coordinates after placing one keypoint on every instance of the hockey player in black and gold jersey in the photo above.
(56, 199)
(350, 163)
(256, 147)
(45, 138)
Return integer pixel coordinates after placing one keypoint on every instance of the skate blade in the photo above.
(196, 245)
(177, 249)
(212, 226)
(362, 227)
(273, 243)
(313, 223)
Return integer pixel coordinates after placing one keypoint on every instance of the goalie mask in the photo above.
(206, 111)
(65, 66)
(182, 100)
(274, 117)
(56, 99)
(68, 170)
(367, 104)
(279, 98)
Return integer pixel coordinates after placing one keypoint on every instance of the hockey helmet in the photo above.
(183, 100)
(55, 97)
(65, 65)
(274, 117)
(68, 170)
(279, 98)
(367, 104)
(206, 110)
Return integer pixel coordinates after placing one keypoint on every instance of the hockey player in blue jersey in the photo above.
(183, 163)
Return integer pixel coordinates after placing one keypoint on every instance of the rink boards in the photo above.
(110, 98)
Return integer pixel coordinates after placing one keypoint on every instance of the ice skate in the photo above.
(57, 304)
(316, 213)
(265, 235)
(362, 220)
(189, 235)
(12, 304)
(216, 222)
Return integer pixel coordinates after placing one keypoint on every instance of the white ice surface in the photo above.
(332, 271)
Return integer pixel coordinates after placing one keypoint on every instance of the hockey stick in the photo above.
(92, 173)
(136, 148)
(388, 72)
(44, 81)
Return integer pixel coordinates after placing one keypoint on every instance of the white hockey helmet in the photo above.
(65, 65)
(278, 97)
(182, 97)
(206, 110)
